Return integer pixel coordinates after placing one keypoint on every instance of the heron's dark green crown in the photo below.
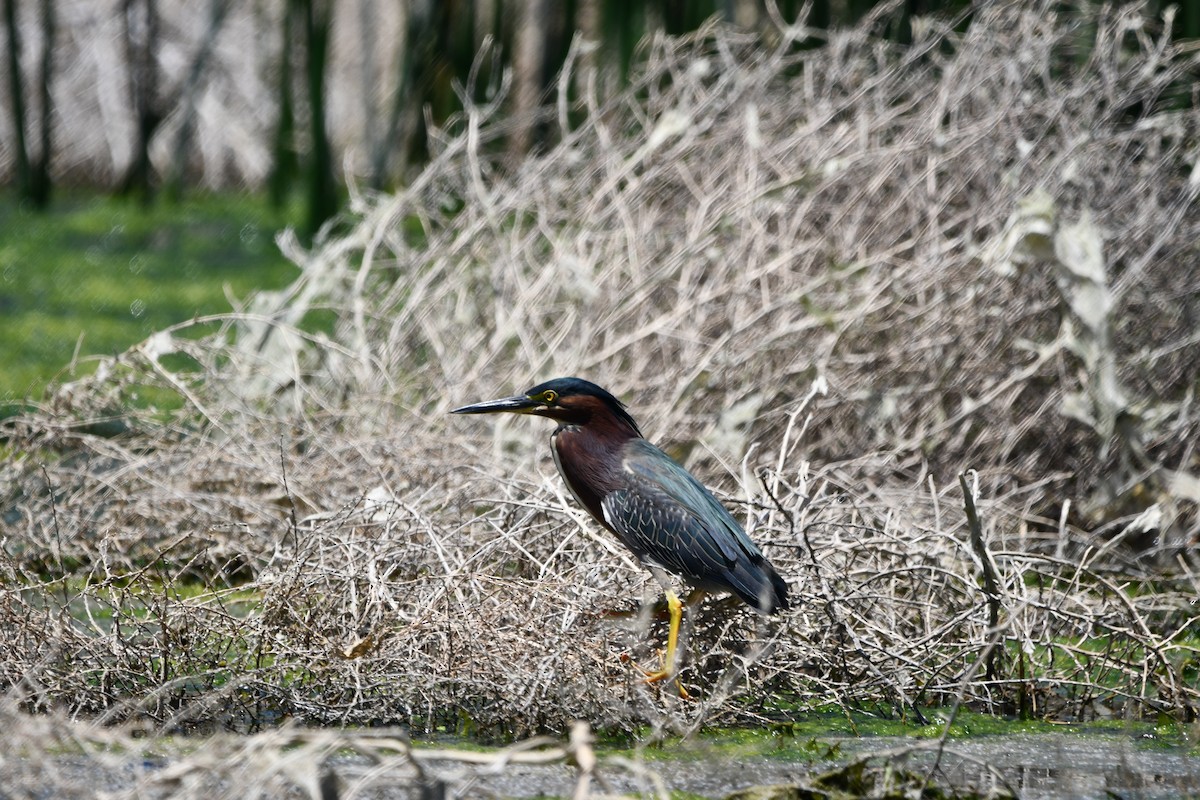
(568, 388)
(572, 401)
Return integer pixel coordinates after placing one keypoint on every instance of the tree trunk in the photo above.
(32, 169)
(141, 54)
(16, 95)
(322, 191)
(217, 11)
(528, 63)
(39, 167)
(283, 172)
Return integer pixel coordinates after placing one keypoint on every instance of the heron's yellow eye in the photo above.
(549, 396)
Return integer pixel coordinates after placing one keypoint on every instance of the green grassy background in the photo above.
(104, 273)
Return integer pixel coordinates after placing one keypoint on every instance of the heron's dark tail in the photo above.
(759, 585)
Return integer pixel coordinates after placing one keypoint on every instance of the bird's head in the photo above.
(571, 401)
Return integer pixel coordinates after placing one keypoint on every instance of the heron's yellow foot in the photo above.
(667, 667)
(658, 675)
(652, 675)
(663, 673)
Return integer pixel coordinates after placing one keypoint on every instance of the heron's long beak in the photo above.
(520, 404)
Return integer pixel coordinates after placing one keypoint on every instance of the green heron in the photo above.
(651, 503)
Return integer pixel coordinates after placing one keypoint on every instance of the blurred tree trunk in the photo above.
(370, 78)
(621, 28)
(32, 171)
(16, 96)
(401, 118)
(321, 189)
(540, 46)
(486, 17)
(421, 66)
(587, 22)
(217, 11)
(141, 31)
(528, 60)
(306, 31)
(283, 171)
(40, 166)
(392, 139)
(392, 116)
(306, 23)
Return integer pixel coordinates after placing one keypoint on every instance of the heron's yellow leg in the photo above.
(667, 669)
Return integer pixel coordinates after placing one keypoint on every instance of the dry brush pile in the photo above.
(829, 279)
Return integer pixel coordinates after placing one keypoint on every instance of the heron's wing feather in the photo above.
(667, 517)
(648, 461)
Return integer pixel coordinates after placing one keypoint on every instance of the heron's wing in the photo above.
(668, 518)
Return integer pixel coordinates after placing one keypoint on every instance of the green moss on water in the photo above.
(95, 275)
(815, 737)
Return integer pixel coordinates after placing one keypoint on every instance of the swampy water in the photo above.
(1032, 766)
